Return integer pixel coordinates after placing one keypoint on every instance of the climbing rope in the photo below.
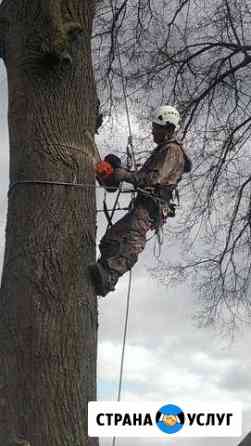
(124, 343)
(130, 150)
(131, 163)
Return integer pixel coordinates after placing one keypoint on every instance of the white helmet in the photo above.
(167, 114)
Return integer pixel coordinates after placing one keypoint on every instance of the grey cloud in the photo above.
(237, 377)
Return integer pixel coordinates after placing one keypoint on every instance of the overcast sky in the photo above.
(167, 356)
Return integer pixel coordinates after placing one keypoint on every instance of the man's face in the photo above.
(159, 133)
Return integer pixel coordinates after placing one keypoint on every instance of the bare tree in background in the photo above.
(197, 55)
(48, 314)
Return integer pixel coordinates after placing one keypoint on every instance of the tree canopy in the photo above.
(196, 55)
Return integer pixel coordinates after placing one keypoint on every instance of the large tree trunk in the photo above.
(48, 322)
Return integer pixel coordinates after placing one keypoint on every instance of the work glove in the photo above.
(122, 174)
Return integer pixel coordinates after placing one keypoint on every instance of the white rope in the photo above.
(124, 342)
(123, 81)
(132, 156)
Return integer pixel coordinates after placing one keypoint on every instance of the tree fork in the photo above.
(48, 310)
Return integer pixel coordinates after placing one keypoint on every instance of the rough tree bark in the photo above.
(48, 314)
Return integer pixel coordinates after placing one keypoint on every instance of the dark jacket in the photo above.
(164, 167)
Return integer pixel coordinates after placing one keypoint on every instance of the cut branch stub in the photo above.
(53, 31)
(57, 45)
(60, 31)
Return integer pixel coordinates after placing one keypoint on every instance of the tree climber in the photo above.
(155, 183)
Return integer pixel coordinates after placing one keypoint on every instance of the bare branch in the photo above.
(197, 56)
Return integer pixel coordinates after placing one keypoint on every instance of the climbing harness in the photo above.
(162, 209)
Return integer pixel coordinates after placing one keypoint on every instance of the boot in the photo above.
(103, 278)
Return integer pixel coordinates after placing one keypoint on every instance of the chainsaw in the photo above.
(105, 172)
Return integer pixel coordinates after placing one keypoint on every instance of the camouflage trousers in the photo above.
(125, 240)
